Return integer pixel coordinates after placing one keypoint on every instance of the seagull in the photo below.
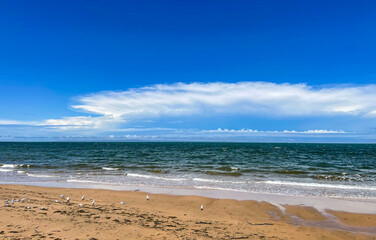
(23, 200)
(27, 207)
(12, 202)
(16, 200)
(6, 200)
(92, 203)
(202, 207)
(68, 198)
(62, 196)
(83, 198)
(43, 208)
(57, 201)
(80, 205)
(122, 203)
(91, 198)
(147, 197)
(7, 205)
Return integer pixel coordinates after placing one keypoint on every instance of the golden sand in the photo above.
(161, 217)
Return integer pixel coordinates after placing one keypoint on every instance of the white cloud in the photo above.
(86, 122)
(230, 98)
(253, 98)
(14, 122)
(318, 131)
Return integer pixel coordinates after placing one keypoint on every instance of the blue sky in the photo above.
(193, 70)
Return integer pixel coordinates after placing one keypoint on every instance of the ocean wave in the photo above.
(6, 170)
(219, 188)
(158, 171)
(39, 175)
(320, 185)
(155, 177)
(110, 169)
(21, 172)
(228, 168)
(13, 166)
(291, 172)
(86, 181)
(215, 181)
(338, 178)
(216, 173)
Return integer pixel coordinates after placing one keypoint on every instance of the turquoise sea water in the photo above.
(328, 170)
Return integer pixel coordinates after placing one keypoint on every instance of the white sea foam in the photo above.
(219, 188)
(21, 172)
(320, 185)
(215, 181)
(82, 181)
(10, 165)
(6, 170)
(110, 169)
(155, 177)
(39, 175)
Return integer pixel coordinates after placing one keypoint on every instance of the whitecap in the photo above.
(320, 185)
(39, 175)
(155, 177)
(110, 169)
(215, 181)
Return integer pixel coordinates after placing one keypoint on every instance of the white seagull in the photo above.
(202, 207)
(122, 203)
(62, 196)
(12, 202)
(147, 197)
(68, 198)
(57, 201)
(80, 205)
(23, 200)
(92, 203)
(83, 198)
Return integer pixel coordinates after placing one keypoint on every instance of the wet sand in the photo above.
(165, 217)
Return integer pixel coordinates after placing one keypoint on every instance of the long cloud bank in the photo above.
(260, 98)
(113, 108)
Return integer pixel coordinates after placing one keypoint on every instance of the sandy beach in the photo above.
(165, 217)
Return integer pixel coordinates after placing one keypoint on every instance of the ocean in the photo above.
(346, 171)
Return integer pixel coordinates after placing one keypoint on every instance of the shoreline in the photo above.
(361, 206)
(167, 216)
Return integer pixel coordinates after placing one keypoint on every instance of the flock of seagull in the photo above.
(67, 200)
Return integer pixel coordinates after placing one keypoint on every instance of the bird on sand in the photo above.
(202, 207)
(23, 200)
(83, 198)
(92, 203)
(147, 197)
(122, 203)
(57, 201)
(68, 198)
(62, 196)
(12, 202)
(80, 205)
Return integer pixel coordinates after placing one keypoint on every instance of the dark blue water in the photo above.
(330, 170)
